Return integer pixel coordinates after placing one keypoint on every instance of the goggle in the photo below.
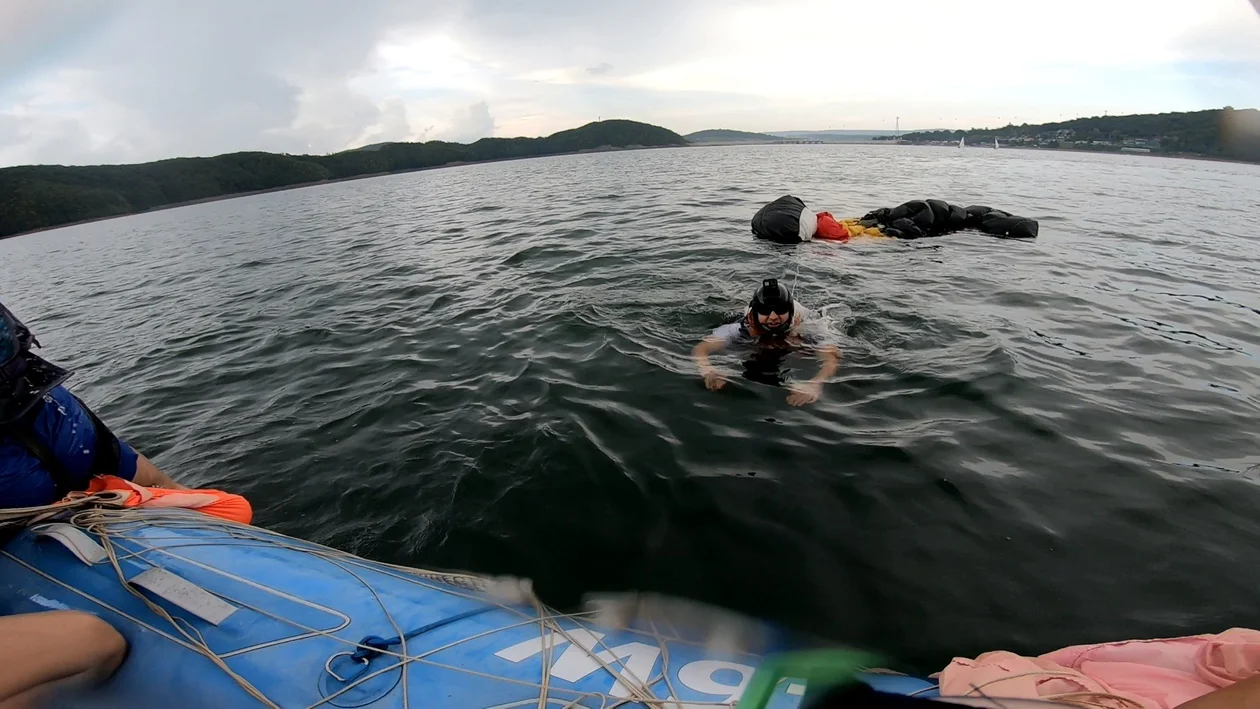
(768, 308)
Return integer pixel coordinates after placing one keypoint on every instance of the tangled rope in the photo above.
(110, 523)
(1086, 700)
(30, 516)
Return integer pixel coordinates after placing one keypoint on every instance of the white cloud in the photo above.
(817, 52)
(329, 119)
(392, 127)
(137, 80)
(411, 64)
(470, 124)
(552, 76)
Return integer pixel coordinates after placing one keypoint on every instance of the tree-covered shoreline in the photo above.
(1221, 133)
(36, 197)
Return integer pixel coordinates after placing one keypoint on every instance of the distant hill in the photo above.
(40, 196)
(798, 133)
(826, 136)
(1222, 133)
(834, 136)
(729, 136)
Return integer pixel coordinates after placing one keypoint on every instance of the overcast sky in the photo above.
(100, 81)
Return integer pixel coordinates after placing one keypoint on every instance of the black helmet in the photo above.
(24, 378)
(773, 297)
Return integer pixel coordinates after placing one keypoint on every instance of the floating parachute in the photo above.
(787, 220)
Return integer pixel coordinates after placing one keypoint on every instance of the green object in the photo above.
(816, 667)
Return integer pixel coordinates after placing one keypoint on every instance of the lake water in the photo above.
(1028, 445)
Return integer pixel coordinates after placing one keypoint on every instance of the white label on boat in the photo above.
(698, 675)
(74, 539)
(185, 594)
(580, 658)
(525, 650)
(636, 660)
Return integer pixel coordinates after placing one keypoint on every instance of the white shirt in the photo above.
(737, 332)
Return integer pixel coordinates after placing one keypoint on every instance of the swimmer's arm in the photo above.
(148, 475)
(706, 347)
(829, 355)
(809, 392)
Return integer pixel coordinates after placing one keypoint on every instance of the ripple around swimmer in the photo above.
(488, 368)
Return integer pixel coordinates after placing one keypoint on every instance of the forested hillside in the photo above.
(41, 196)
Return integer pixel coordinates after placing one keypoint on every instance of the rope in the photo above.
(193, 637)
(660, 641)
(30, 516)
(639, 693)
(402, 640)
(1066, 697)
(111, 525)
(372, 645)
(548, 644)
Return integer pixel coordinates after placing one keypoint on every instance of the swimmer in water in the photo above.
(773, 324)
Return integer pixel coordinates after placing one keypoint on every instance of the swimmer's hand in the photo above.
(806, 393)
(713, 381)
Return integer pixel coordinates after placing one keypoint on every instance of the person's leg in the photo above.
(1244, 694)
(40, 652)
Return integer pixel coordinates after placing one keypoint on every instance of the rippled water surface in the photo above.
(1028, 445)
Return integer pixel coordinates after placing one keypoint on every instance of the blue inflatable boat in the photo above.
(225, 615)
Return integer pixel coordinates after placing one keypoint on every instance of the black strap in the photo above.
(106, 453)
(23, 431)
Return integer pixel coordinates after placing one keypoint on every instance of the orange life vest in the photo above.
(829, 228)
(844, 229)
(216, 503)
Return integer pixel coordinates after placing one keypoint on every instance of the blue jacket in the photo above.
(65, 427)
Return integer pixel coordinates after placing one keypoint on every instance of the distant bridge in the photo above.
(797, 142)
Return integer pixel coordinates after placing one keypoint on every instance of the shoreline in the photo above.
(715, 144)
(301, 185)
(1175, 156)
(889, 143)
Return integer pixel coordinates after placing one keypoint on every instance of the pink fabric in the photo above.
(1153, 674)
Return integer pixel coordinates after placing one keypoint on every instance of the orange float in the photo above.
(215, 503)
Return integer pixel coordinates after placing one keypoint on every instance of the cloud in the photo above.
(471, 124)
(393, 125)
(49, 29)
(83, 81)
(1229, 33)
(43, 141)
(162, 79)
(326, 119)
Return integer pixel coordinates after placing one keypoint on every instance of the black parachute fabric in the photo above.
(921, 218)
(780, 221)
(787, 220)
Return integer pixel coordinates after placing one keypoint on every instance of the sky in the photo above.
(109, 81)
